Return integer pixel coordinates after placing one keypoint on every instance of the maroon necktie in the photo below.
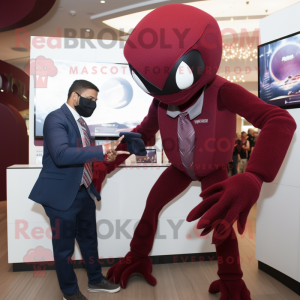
(186, 142)
(87, 169)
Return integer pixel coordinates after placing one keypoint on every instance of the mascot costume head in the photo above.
(174, 51)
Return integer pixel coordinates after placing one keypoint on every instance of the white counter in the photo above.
(278, 210)
(278, 216)
(124, 195)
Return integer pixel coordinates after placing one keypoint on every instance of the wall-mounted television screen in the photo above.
(121, 103)
(279, 71)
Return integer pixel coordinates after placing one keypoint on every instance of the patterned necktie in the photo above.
(186, 142)
(87, 176)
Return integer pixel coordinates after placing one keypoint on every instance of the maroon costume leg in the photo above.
(230, 283)
(170, 184)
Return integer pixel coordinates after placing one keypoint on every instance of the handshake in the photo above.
(135, 145)
(110, 149)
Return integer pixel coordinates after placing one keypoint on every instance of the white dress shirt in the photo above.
(76, 116)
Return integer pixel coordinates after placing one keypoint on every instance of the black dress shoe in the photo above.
(104, 286)
(76, 296)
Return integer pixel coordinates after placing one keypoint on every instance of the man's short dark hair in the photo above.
(79, 86)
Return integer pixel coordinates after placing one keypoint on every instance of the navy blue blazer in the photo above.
(63, 160)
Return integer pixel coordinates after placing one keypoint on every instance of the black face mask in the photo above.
(85, 107)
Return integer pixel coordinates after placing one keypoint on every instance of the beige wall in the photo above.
(238, 124)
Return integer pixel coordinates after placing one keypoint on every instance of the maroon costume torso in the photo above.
(168, 38)
(214, 133)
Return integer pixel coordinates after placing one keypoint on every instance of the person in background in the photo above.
(235, 155)
(245, 147)
(255, 136)
(250, 138)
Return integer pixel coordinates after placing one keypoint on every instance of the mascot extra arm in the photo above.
(230, 200)
(276, 124)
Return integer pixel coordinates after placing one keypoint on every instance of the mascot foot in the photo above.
(230, 289)
(131, 263)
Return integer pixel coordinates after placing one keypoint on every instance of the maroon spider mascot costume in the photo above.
(174, 54)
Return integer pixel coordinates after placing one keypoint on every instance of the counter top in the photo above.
(137, 165)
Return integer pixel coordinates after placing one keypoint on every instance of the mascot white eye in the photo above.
(139, 82)
(184, 76)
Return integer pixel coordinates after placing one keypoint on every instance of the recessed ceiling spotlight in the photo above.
(247, 2)
(231, 19)
(88, 30)
(102, 1)
(2, 91)
(72, 13)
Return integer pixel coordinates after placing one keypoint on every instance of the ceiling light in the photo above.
(102, 1)
(88, 30)
(2, 90)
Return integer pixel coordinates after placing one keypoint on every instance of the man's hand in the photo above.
(113, 145)
(110, 149)
(112, 154)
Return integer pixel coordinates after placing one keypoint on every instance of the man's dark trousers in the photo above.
(78, 222)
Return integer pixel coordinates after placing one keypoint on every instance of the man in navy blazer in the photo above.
(66, 191)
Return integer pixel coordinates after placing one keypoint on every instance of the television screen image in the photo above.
(121, 103)
(279, 71)
(149, 158)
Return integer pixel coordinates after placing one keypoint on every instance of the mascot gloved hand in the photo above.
(135, 144)
(224, 203)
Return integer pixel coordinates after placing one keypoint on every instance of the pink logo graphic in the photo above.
(41, 68)
(39, 258)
